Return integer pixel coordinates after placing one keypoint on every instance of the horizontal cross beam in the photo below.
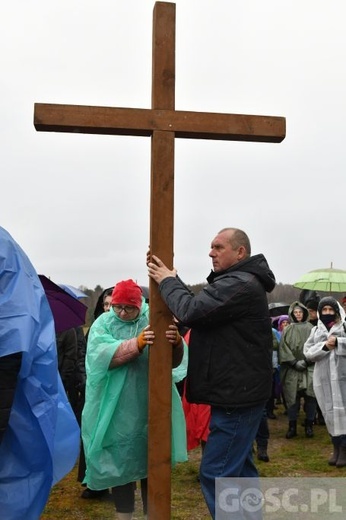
(143, 122)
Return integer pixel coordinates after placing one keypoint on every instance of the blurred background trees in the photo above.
(283, 293)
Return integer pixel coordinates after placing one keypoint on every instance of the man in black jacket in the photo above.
(230, 351)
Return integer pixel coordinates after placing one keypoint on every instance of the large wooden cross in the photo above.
(163, 124)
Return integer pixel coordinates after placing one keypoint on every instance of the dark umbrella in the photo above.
(278, 308)
(306, 295)
(68, 312)
(145, 291)
(73, 291)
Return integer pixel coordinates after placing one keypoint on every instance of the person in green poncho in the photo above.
(115, 415)
(295, 372)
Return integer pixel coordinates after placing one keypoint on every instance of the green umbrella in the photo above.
(325, 280)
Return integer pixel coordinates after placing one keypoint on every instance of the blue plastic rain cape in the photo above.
(42, 439)
(115, 415)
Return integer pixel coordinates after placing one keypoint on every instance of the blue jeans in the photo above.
(228, 452)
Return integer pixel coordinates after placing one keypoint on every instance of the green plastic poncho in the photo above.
(291, 349)
(115, 415)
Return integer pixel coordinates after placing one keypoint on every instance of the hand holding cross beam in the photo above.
(158, 271)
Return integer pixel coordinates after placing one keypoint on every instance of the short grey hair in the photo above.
(238, 238)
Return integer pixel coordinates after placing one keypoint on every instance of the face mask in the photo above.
(327, 319)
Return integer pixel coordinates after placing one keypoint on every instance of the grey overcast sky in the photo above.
(79, 204)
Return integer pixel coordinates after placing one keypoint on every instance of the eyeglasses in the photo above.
(127, 308)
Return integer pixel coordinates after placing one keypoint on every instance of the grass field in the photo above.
(297, 457)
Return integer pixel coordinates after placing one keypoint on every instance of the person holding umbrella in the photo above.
(326, 347)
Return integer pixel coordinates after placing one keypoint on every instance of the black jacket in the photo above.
(67, 346)
(9, 370)
(230, 348)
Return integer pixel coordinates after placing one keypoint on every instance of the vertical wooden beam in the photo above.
(160, 361)
(163, 64)
(161, 244)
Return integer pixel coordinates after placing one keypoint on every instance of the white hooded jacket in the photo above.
(329, 377)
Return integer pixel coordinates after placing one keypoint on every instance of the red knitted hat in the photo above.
(127, 293)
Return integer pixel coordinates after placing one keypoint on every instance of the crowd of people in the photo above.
(312, 370)
(232, 364)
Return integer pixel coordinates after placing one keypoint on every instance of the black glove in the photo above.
(301, 365)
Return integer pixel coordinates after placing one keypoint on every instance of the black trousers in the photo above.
(124, 497)
(263, 434)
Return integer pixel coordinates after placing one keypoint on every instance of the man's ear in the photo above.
(241, 253)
